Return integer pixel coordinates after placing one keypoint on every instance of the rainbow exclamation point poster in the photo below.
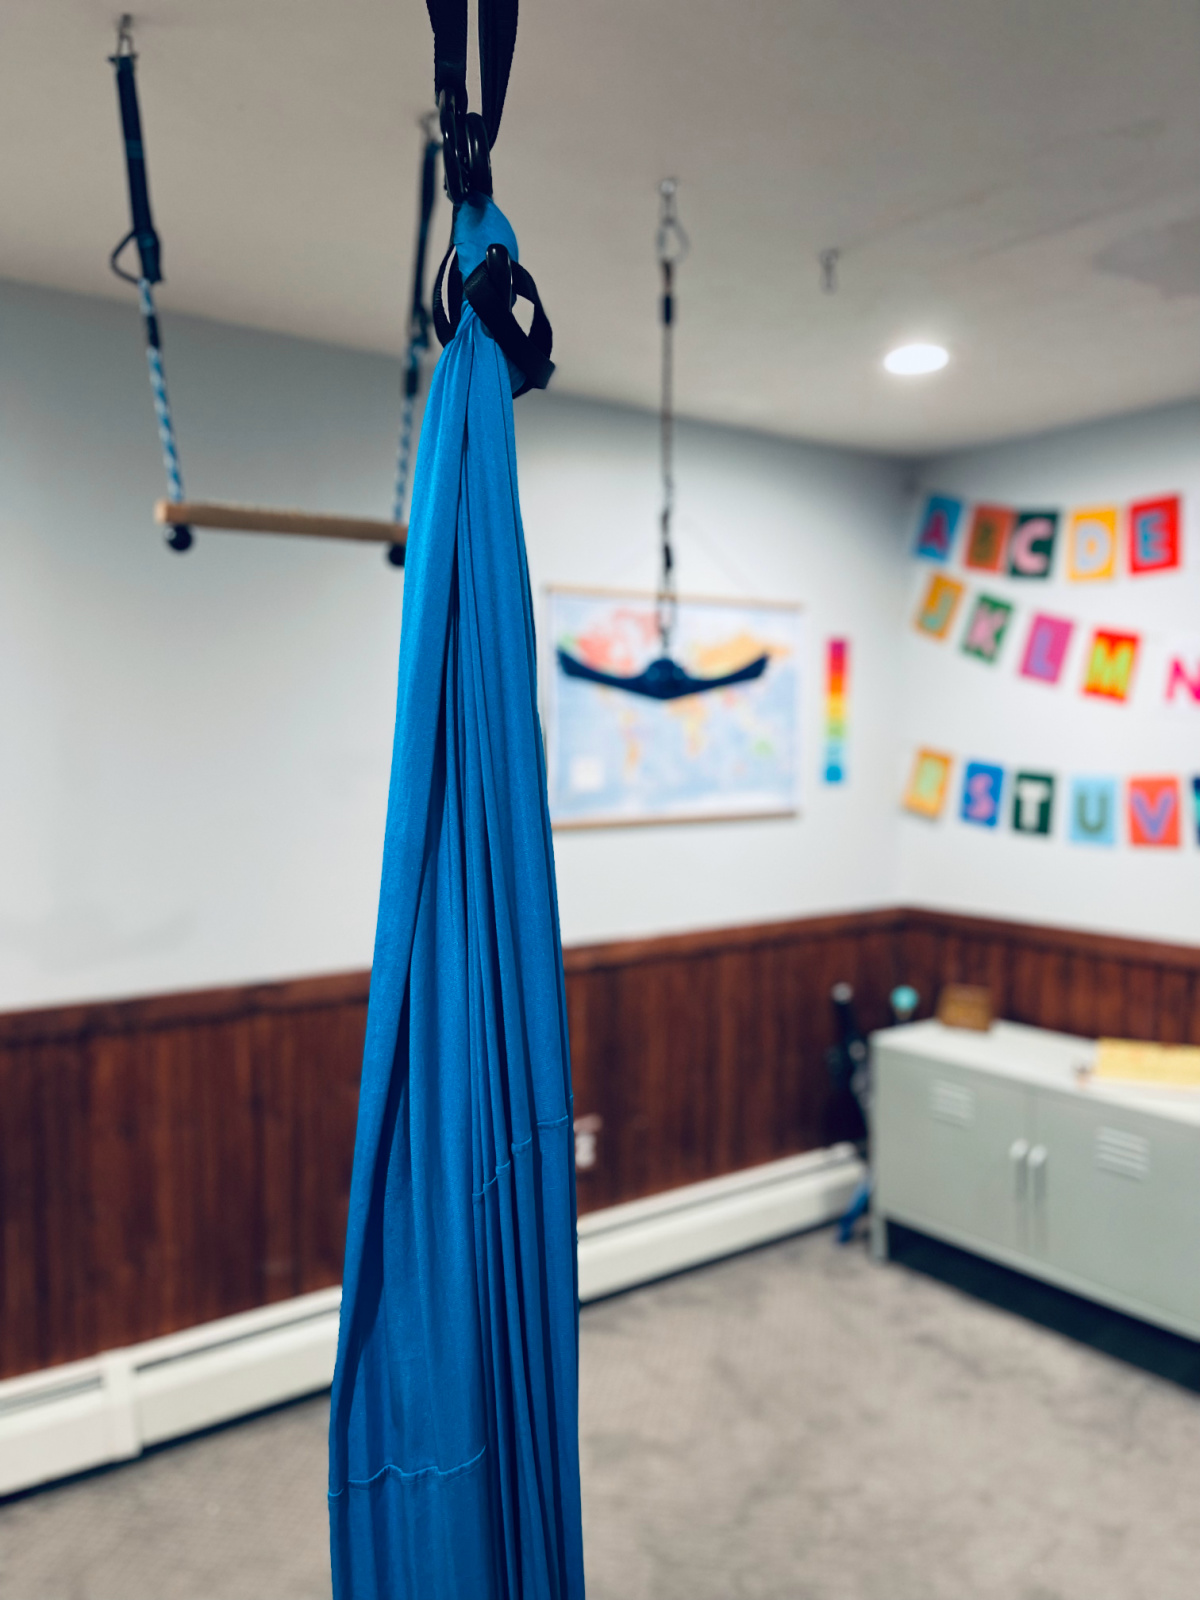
(837, 672)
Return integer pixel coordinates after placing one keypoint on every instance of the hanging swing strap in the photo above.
(672, 245)
(467, 138)
(418, 334)
(418, 315)
(142, 229)
(490, 291)
(149, 248)
(158, 388)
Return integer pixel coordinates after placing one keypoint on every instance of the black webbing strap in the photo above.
(446, 314)
(142, 230)
(418, 315)
(490, 291)
(497, 40)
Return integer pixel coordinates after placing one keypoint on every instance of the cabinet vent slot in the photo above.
(952, 1102)
(1125, 1153)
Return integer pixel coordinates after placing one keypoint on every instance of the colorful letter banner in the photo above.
(987, 542)
(1111, 661)
(1112, 657)
(1154, 811)
(1153, 806)
(927, 785)
(935, 540)
(1180, 676)
(1033, 802)
(1031, 545)
(1092, 544)
(837, 675)
(1021, 544)
(1046, 647)
(1092, 812)
(982, 785)
(1154, 535)
(939, 606)
(985, 631)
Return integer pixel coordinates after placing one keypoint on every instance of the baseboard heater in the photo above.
(85, 1414)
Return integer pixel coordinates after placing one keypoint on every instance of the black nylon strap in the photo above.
(418, 317)
(497, 40)
(142, 229)
(448, 274)
(448, 19)
(489, 291)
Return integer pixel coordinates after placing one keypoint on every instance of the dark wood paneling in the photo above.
(168, 1160)
(703, 1053)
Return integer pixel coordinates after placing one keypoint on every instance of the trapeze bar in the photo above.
(258, 519)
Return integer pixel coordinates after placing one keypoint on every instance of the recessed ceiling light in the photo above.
(908, 360)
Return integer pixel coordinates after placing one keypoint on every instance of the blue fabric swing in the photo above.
(453, 1446)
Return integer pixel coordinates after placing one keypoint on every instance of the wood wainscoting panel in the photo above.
(1085, 983)
(171, 1160)
(705, 1053)
(165, 1162)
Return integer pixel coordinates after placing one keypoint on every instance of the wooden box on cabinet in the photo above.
(993, 1141)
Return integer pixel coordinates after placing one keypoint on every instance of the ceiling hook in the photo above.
(125, 34)
(829, 261)
(671, 241)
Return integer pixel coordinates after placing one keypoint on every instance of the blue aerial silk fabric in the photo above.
(453, 1445)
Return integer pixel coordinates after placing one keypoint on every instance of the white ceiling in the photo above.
(1016, 179)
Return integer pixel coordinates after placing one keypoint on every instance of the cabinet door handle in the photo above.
(1018, 1154)
(1036, 1162)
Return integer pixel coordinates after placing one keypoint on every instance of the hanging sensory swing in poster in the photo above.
(615, 757)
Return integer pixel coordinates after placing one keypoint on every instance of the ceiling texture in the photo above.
(1015, 179)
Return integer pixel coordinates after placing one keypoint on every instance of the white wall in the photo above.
(194, 750)
(990, 713)
(756, 518)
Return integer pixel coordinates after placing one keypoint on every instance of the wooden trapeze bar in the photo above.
(259, 519)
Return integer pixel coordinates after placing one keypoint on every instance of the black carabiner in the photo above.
(466, 151)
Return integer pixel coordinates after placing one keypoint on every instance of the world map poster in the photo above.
(615, 757)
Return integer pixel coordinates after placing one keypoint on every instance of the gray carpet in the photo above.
(795, 1424)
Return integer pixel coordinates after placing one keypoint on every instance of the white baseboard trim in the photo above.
(646, 1239)
(67, 1419)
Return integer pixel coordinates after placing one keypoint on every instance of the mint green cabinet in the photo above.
(997, 1143)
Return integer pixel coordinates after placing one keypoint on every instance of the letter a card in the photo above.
(935, 537)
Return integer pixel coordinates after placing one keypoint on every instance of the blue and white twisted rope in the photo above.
(158, 387)
(403, 454)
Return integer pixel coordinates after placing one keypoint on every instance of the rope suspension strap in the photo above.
(142, 233)
(467, 141)
(664, 678)
(162, 406)
(672, 245)
(419, 322)
(467, 138)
